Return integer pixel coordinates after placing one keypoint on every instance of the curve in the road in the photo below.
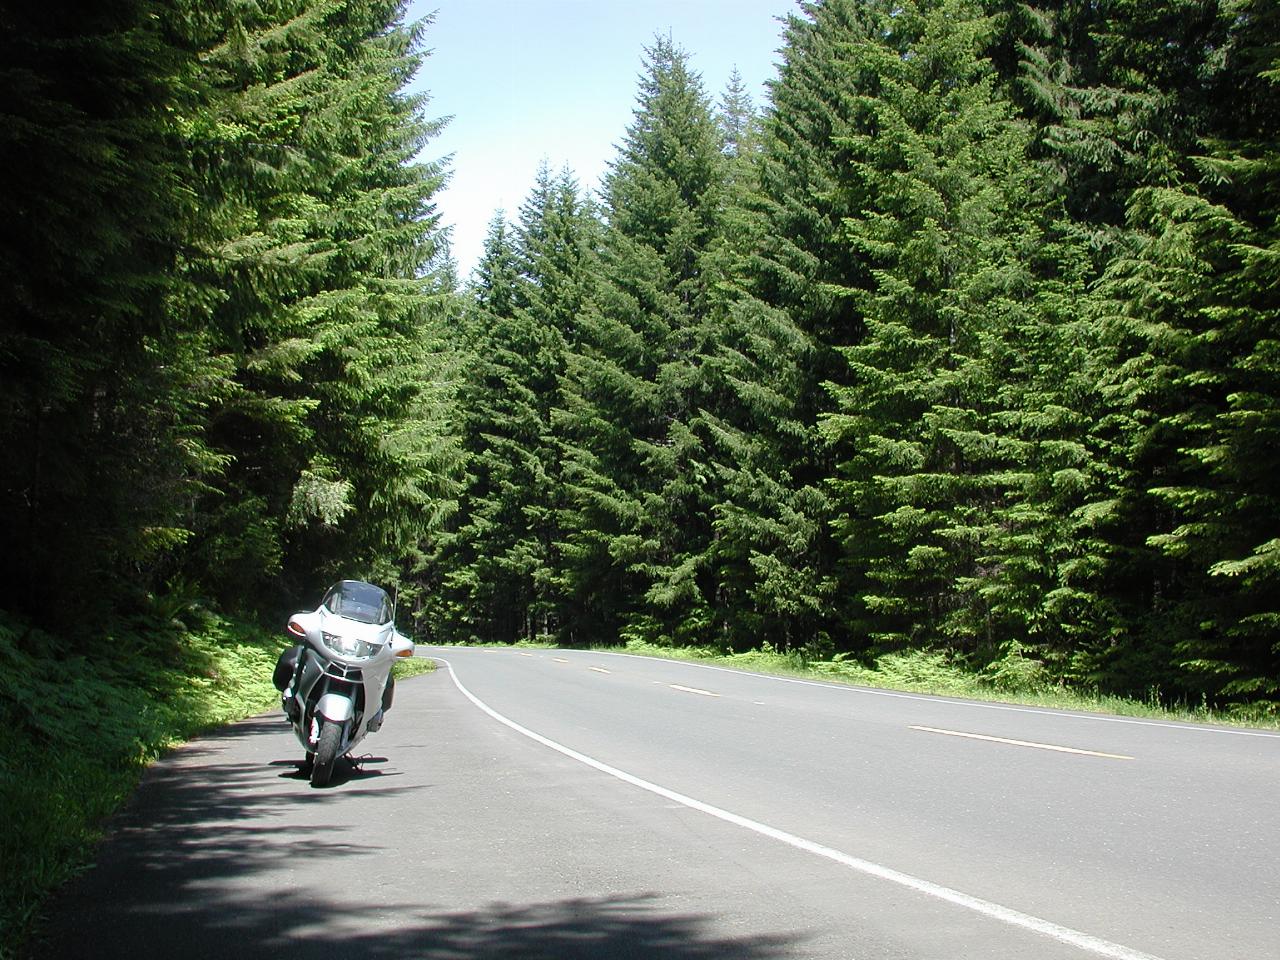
(995, 911)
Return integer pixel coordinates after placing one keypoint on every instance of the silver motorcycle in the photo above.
(336, 683)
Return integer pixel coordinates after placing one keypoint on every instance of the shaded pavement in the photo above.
(443, 844)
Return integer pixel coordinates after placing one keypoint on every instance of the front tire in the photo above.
(326, 755)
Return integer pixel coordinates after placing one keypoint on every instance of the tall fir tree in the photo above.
(738, 119)
(638, 518)
(1197, 379)
(323, 311)
(100, 391)
(937, 173)
(467, 586)
(497, 566)
(783, 304)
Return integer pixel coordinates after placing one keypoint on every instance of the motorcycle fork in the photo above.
(327, 683)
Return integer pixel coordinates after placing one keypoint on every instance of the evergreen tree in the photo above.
(737, 119)
(1198, 380)
(320, 235)
(494, 283)
(98, 391)
(936, 173)
(1046, 557)
(560, 244)
(479, 600)
(638, 518)
(497, 567)
(783, 305)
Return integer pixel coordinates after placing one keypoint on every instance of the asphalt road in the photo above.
(559, 804)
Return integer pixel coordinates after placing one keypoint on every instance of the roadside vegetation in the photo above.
(80, 729)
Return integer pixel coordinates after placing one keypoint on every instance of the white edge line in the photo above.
(1096, 945)
(958, 701)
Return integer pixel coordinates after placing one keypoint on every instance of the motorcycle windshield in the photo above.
(359, 601)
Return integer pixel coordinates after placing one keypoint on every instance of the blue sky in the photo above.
(527, 80)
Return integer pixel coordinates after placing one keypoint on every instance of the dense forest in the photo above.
(968, 339)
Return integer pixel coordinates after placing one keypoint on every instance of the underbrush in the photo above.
(80, 730)
(1015, 678)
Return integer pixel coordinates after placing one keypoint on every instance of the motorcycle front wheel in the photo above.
(326, 754)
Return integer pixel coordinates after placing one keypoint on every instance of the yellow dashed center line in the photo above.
(701, 693)
(1023, 743)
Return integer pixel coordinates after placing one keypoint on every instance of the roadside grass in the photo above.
(79, 731)
(413, 666)
(1015, 679)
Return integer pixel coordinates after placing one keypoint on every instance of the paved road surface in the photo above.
(559, 804)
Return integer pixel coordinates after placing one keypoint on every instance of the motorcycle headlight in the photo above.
(349, 646)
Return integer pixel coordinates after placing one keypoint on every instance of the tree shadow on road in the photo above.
(615, 928)
(222, 855)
